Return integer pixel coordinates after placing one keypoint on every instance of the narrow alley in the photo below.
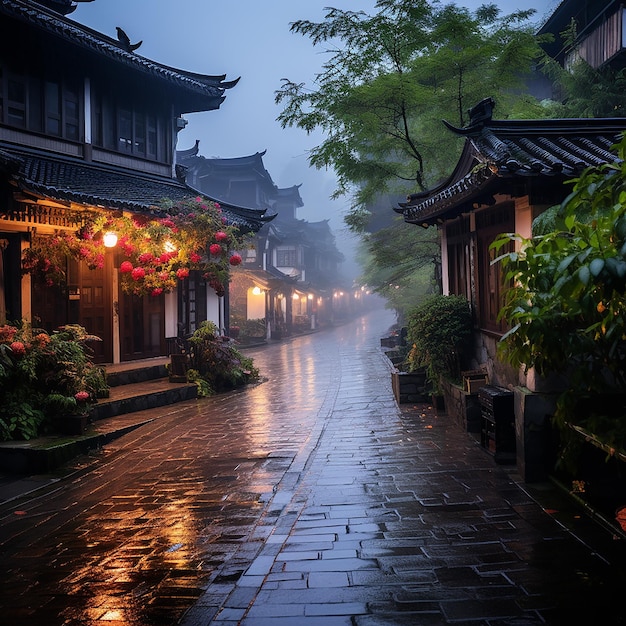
(310, 498)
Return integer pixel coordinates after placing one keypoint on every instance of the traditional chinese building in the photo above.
(88, 127)
(289, 278)
(600, 38)
(509, 172)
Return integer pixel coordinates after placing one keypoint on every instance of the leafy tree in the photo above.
(400, 264)
(389, 80)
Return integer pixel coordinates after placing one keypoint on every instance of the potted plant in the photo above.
(215, 363)
(69, 414)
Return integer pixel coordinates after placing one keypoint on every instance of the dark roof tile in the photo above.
(71, 180)
(497, 152)
(210, 88)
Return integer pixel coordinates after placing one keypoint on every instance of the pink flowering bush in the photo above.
(155, 253)
(44, 376)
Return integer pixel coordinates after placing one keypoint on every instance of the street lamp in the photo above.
(109, 239)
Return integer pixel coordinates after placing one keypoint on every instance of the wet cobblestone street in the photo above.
(307, 499)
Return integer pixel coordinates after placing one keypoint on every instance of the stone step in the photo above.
(134, 387)
(136, 372)
(138, 396)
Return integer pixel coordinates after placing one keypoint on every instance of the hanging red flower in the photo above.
(146, 257)
(138, 273)
(159, 251)
(235, 259)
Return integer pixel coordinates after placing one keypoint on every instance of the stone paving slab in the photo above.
(437, 534)
(310, 499)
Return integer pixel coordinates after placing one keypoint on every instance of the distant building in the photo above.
(600, 37)
(290, 279)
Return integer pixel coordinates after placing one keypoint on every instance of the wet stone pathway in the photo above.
(308, 499)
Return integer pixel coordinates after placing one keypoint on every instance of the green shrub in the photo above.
(216, 361)
(438, 332)
(43, 376)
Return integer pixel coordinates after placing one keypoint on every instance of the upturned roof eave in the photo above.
(451, 200)
(498, 155)
(102, 179)
(210, 87)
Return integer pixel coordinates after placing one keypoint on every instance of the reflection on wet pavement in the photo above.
(309, 498)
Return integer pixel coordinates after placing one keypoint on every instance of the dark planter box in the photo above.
(388, 342)
(462, 406)
(179, 364)
(409, 386)
(72, 424)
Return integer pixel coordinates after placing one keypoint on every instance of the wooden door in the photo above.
(142, 326)
(192, 303)
(92, 293)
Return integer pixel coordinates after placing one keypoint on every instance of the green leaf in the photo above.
(612, 266)
(584, 275)
(620, 227)
(596, 266)
(565, 263)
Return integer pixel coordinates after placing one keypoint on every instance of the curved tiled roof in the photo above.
(251, 162)
(211, 87)
(498, 153)
(73, 180)
(290, 194)
(216, 169)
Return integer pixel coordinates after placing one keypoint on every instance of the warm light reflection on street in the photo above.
(135, 538)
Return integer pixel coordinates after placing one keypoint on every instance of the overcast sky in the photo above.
(248, 39)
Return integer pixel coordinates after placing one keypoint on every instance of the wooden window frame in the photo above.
(285, 254)
(130, 130)
(39, 107)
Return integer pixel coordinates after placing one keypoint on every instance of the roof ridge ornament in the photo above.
(124, 41)
(482, 112)
(480, 115)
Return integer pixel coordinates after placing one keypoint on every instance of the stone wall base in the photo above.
(462, 406)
